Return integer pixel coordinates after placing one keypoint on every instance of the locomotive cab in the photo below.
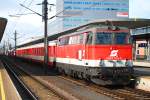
(111, 51)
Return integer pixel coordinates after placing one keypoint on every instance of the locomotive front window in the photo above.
(103, 38)
(120, 38)
(112, 38)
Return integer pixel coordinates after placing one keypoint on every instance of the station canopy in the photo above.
(3, 23)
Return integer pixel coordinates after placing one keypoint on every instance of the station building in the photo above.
(141, 37)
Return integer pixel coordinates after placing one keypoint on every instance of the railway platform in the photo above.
(142, 70)
(143, 83)
(141, 63)
(7, 88)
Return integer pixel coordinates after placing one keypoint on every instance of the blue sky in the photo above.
(140, 8)
(30, 25)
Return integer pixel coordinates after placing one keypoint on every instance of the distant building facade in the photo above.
(72, 13)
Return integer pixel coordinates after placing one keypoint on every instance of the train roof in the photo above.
(3, 23)
(129, 23)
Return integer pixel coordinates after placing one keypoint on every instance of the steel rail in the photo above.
(62, 94)
(20, 81)
(124, 93)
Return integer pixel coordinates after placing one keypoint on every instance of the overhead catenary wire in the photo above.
(20, 10)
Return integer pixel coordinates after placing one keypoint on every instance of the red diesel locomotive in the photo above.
(98, 53)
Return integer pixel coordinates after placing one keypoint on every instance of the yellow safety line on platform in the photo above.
(2, 88)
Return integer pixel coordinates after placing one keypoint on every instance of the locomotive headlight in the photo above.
(129, 63)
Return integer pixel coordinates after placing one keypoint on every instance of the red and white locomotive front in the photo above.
(110, 50)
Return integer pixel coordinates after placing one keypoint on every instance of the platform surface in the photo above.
(7, 88)
(143, 83)
(141, 63)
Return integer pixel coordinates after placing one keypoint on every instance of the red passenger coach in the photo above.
(100, 53)
(35, 52)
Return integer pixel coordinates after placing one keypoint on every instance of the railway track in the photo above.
(118, 93)
(134, 94)
(28, 83)
(24, 91)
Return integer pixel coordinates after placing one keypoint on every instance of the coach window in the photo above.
(38, 51)
(89, 38)
(34, 51)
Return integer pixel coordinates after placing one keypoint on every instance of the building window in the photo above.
(138, 52)
(142, 45)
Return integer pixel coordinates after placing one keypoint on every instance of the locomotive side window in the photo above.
(103, 38)
(89, 38)
(78, 39)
